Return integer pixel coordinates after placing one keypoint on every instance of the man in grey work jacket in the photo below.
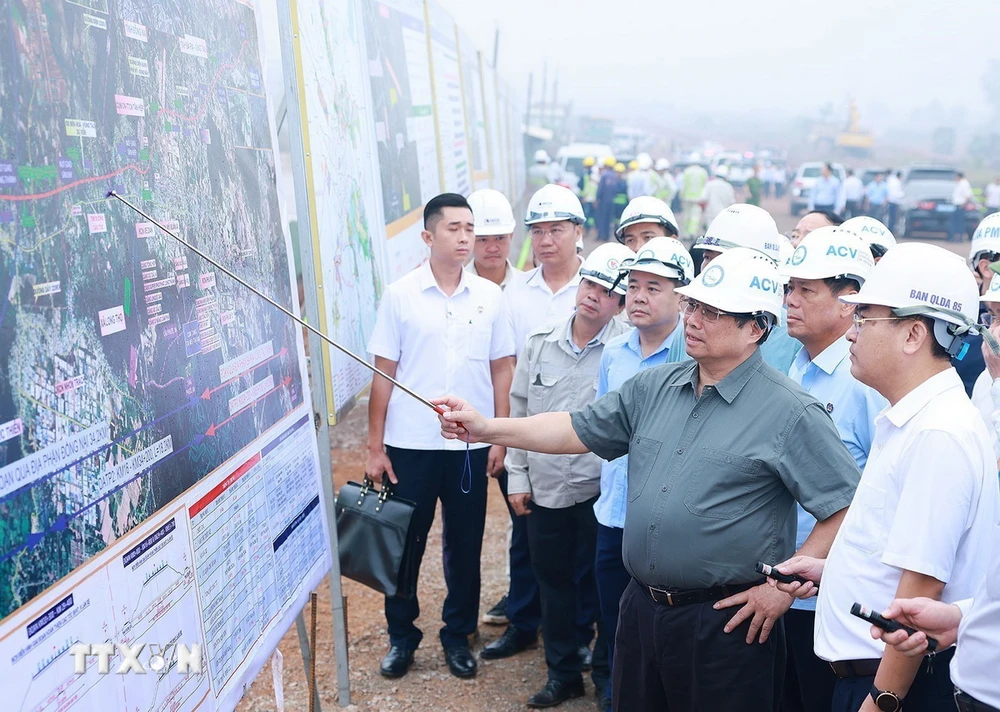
(720, 449)
(557, 370)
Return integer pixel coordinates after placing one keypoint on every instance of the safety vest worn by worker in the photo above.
(589, 192)
(665, 187)
(695, 178)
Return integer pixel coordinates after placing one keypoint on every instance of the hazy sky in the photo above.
(789, 56)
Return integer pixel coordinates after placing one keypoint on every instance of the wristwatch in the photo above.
(886, 701)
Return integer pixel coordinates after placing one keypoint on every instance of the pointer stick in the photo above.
(437, 409)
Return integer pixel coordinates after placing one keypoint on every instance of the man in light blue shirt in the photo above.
(658, 337)
(876, 195)
(828, 263)
(825, 193)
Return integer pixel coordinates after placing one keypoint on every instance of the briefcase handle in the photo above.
(369, 486)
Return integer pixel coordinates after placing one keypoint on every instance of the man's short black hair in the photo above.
(959, 174)
(839, 285)
(850, 171)
(763, 321)
(833, 217)
(829, 166)
(436, 205)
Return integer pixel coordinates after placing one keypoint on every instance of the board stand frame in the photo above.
(289, 49)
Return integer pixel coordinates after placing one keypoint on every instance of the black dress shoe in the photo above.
(510, 643)
(396, 662)
(586, 658)
(460, 661)
(555, 693)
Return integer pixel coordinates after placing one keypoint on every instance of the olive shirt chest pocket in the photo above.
(720, 484)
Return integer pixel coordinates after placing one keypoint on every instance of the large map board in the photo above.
(449, 109)
(341, 162)
(159, 477)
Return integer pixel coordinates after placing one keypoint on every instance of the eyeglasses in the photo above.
(555, 233)
(987, 319)
(860, 321)
(690, 306)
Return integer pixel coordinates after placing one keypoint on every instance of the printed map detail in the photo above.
(129, 369)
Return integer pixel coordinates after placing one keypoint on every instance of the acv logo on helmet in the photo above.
(799, 256)
(841, 251)
(713, 275)
(767, 284)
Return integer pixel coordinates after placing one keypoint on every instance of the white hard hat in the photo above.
(646, 209)
(785, 251)
(603, 266)
(665, 256)
(831, 252)
(986, 238)
(644, 161)
(915, 278)
(492, 213)
(662, 164)
(739, 281)
(742, 225)
(552, 203)
(877, 235)
(722, 171)
(542, 156)
(993, 291)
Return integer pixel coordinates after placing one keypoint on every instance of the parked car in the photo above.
(803, 182)
(570, 159)
(739, 166)
(927, 204)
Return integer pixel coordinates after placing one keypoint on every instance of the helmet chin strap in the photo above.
(952, 336)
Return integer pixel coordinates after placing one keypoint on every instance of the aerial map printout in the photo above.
(159, 478)
(344, 188)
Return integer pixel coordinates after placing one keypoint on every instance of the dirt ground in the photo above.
(501, 685)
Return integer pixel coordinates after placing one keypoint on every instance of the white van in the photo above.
(570, 160)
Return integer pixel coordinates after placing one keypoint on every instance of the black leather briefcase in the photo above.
(373, 538)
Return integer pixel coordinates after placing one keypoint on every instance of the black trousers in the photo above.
(425, 476)
(932, 690)
(556, 537)
(679, 659)
(809, 680)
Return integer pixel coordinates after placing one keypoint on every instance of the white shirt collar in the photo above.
(914, 401)
(536, 279)
(427, 280)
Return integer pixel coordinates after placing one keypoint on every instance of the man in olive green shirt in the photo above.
(720, 449)
(754, 186)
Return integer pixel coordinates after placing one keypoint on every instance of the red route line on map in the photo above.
(132, 166)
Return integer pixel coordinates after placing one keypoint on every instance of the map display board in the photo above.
(503, 175)
(493, 129)
(475, 119)
(520, 177)
(449, 108)
(403, 108)
(159, 476)
(344, 191)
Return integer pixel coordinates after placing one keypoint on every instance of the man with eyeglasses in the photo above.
(922, 520)
(744, 225)
(720, 448)
(539, 297)
(828, 263)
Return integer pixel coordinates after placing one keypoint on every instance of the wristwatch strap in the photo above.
(886, 701)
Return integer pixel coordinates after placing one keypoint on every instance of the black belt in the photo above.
(868, 668)
(676, 597)
(968, 703)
